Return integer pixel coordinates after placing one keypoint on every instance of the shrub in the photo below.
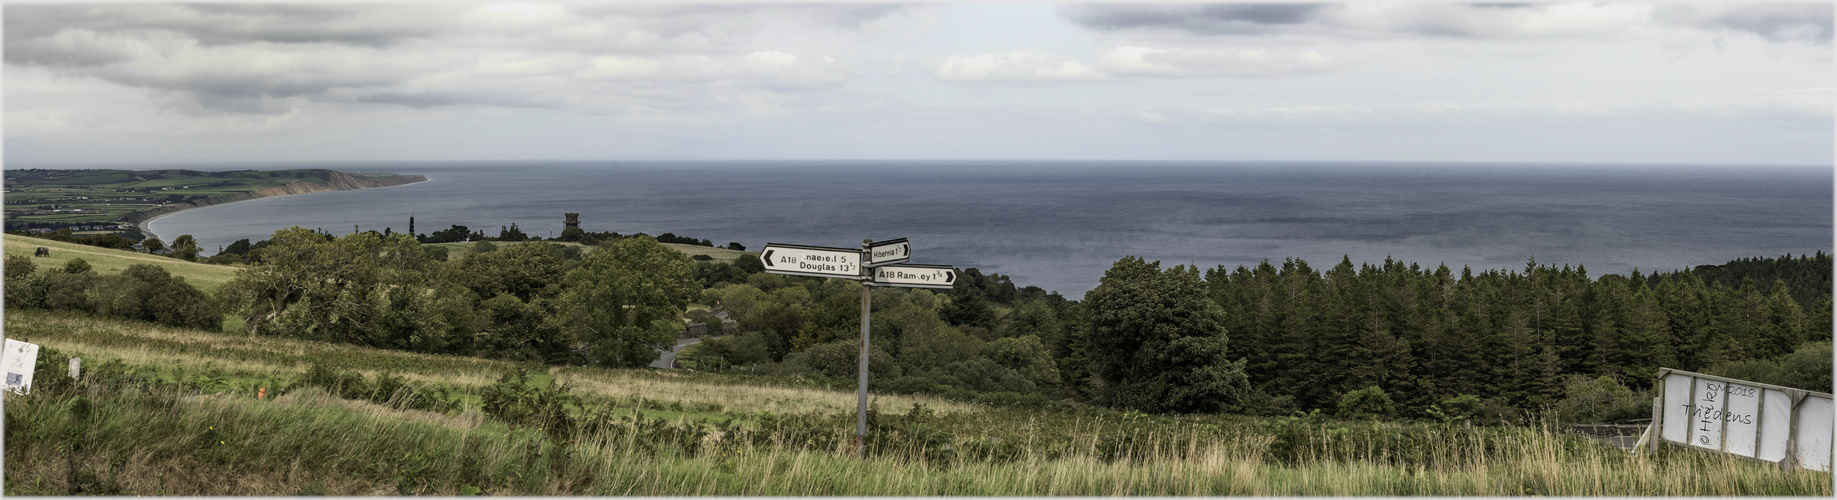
(76, 266)
(1601, 399)
(24, 288)
(150, 293)
(842, 359)
(1370, 402)
(515, 402)
(19, 266)
(69, 291)
(1808, 367)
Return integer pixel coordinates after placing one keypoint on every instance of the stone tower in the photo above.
(573, 220)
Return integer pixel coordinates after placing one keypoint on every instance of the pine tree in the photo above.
(1785, 323)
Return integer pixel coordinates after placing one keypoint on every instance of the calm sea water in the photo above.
(1060, 225)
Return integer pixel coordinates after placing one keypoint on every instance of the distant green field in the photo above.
(206, 277)
(107, 195)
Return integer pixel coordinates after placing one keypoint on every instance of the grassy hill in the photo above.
(206, 277)
(174, 411)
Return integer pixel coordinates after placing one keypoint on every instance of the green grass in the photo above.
(207, 277)
(734, 435)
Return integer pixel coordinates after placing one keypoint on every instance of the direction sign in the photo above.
(822, 262)
(881, 253)
(915, 275)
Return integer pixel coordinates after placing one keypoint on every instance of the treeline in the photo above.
(106, 240)
(1504, 340)
(1807, 277)
(512, 233)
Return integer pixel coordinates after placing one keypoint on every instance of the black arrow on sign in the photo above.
(768, 258)
(950, 276)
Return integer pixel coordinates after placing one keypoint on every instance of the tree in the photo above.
(1157, 342)
(511, 233)
(153, 244)
(310, 287)
(624, 300)
(240, 247)
(185, 247)
(571, 233)
(968, 307)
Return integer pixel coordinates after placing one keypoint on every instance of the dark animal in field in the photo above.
(44, 252)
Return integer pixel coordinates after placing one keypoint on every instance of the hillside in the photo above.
(173, 411)
(53, 198)
(206, 277)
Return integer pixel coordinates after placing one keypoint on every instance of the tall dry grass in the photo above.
(127, 435)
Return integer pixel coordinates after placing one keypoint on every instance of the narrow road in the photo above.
(668, 358)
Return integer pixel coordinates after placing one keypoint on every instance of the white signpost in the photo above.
(1764, 422)
(872, 265)
(915, 275)
(881, 253)
(17, 363)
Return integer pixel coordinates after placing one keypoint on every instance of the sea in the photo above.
(1059, 225)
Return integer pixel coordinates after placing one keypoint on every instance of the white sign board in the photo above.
(17, 363)
(881, 253)
(1759, 421)
(822, 262)
(915, 275)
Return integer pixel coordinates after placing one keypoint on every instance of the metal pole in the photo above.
(861, 400)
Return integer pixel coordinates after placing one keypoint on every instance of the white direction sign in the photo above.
(915, 275)
(822, 262)
(1747, 419)
(881, 253)
(17, 363)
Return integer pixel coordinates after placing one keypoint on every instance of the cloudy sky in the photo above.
(1560, 82)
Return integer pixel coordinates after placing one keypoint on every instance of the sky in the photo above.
(1700, 83)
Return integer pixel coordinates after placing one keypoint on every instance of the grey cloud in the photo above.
(424, 100)
(214, 24)
(1809, 22)
(1802, 22)
(1197, 19)
(273, 59)
(77, 49)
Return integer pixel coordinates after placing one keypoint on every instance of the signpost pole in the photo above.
(861, 400)
(881, 264)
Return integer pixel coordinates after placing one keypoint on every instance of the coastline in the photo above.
(146, 225)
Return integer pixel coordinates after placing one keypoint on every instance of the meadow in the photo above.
(207, 277)
(173, 411)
